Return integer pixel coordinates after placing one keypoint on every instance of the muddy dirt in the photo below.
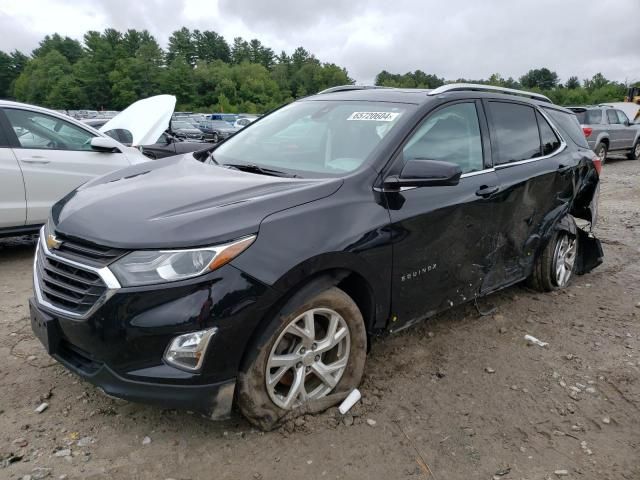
(459, 397)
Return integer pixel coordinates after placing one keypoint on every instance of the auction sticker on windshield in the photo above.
(374, 116)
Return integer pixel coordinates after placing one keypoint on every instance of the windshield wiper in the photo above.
(253, 168)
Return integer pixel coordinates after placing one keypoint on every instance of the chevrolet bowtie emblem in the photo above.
(53, 242)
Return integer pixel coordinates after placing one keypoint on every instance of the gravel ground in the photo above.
(459, 397)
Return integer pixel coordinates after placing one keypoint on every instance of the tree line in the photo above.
(110, 70)
(591, 91)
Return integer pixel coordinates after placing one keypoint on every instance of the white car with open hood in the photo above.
(44, 155)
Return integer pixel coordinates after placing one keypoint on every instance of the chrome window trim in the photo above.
(478, 172)
(464, 175)
(104, 273)
(562, 147)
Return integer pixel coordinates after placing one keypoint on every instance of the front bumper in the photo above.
(212, 399)
(120, 346)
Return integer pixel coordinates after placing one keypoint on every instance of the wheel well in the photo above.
(605, 141)
(352, 283)
(360, 291)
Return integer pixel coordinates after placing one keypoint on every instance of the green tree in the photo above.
(417, 79)
(66, 93)
(541, 78)
(45, 78)
(572, 83)
(70, 48)
(137, 76)
(211, 46)
(178, 79)
(596, 82)
(11, 66)
(182, 45)
(240, 51)
(102, 51)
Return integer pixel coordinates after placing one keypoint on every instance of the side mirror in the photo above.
(627, 123)
(105, 144)
(425, 173)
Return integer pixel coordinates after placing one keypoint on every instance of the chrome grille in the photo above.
(72, 288)
(91, 253)
(66, 286)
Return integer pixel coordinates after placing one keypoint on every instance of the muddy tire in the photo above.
(296, 349)
(601, 151)
(554, 267)
(634, 154)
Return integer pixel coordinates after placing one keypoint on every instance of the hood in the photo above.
(145, 119)
(169, 204)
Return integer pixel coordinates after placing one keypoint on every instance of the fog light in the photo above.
(187, 351)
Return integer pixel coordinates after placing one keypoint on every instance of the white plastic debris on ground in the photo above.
(535, 341)
(350, 401)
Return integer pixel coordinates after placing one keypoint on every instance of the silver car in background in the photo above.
(609, 130)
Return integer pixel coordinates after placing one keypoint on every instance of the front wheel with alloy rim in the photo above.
(314, 348)
(553, 269)
(601, 152)
(635, 151)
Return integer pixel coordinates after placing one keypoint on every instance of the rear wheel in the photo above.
(215, 138)
(601, 152)
(310, 350)
(554, 267)
(634, 154)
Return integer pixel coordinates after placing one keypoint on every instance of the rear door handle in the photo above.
(487, 190)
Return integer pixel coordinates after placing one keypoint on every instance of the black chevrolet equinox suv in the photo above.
(256, 273)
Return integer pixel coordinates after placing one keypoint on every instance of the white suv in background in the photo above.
(43, 156)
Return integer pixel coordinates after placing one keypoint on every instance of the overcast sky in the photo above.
(452, 38)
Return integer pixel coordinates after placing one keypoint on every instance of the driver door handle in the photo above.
(487, 190)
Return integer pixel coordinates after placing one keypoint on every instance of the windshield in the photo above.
(314, 137)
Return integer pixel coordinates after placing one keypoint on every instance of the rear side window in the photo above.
(515, 131)
(549, 139)
(589, 117)
(612, 117)
(568, 125)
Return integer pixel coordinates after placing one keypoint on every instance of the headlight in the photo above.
(187, 351)
(146, 267)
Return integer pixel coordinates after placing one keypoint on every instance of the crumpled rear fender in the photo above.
(590, 253)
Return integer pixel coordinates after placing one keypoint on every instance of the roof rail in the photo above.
(487, 88)
(345, 88)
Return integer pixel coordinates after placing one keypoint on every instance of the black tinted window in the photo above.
(588, 117)
(452, 134)
(612, 117)
(550, 141)
(568, 125)
(515, 132)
